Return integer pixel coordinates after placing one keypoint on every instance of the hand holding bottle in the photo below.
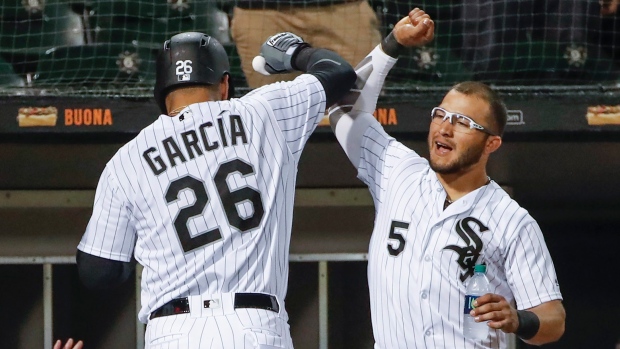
(497, 311)
(484, 309)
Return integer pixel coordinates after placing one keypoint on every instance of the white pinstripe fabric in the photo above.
(132, 215)
(417, 296)
(245, 329)
(420, 255)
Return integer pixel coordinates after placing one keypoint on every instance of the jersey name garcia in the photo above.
(229, 132)
(204, 200)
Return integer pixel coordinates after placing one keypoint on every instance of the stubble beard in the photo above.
(468, 158)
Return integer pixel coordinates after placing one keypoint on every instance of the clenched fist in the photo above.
(417, 29)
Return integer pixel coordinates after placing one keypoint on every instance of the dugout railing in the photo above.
(322, 261)
(83, 198)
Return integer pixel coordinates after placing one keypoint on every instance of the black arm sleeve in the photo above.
(101, 273)
(335, 74)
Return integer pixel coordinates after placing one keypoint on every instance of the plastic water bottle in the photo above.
(477, 286)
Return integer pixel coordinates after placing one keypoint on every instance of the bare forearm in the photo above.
(552, 317)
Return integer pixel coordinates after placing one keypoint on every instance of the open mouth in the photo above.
(443, 148)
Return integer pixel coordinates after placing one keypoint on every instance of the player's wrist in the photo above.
(278, 53)
(299, 61)
(529, 324)
(391, 46)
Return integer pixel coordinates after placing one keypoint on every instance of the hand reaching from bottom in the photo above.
(69, 344)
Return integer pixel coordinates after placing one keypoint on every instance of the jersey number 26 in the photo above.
(228, 198)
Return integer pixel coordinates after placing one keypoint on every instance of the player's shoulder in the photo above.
(150, 131)
(504, 206)
(122, 156)
(278, 91)
(404, 157)
(496, 194)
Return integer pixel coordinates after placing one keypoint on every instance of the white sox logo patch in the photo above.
(468, 254)
(184, 70)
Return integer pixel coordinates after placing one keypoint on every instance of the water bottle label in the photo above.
(469, 303)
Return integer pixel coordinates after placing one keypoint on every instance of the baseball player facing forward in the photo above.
(437, 218)
(203, 197)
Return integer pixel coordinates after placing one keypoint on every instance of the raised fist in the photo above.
(416, 29)
(277, 52)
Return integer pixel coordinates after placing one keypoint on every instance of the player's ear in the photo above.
(493, 143)
(224, 87)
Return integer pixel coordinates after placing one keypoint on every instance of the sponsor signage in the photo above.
(22, 115)
(514, 118)
(603, 115)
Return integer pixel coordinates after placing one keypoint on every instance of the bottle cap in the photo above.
(480, 268)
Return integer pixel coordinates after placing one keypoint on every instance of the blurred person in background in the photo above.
(609, 7)
(347, 27)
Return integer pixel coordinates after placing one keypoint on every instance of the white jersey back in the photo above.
(207, 196)
(421, 256)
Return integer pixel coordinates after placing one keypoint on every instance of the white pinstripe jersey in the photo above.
(205, 200)
(420, 255)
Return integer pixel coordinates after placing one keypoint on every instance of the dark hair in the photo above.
(496, 104)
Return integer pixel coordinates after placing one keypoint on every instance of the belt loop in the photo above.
(278, 304)
(228, 302)
(195, 306)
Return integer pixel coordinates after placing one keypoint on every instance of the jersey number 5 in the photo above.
(396, 248)
(229, 199)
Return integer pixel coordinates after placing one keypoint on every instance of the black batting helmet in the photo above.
(189, 59)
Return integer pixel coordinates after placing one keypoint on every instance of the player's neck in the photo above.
(177, 101)
(460, 184)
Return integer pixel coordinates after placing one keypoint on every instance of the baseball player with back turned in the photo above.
(437, 218)
(203, 197)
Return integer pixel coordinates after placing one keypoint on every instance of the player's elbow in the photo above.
(98, 273)
(333, 72)
(551, 336)
(560, 326)
(560, 333)
(553, 328)
(350, 75)
(343, 81)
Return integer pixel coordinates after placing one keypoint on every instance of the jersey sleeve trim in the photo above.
(530, 303)
(122, 257)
